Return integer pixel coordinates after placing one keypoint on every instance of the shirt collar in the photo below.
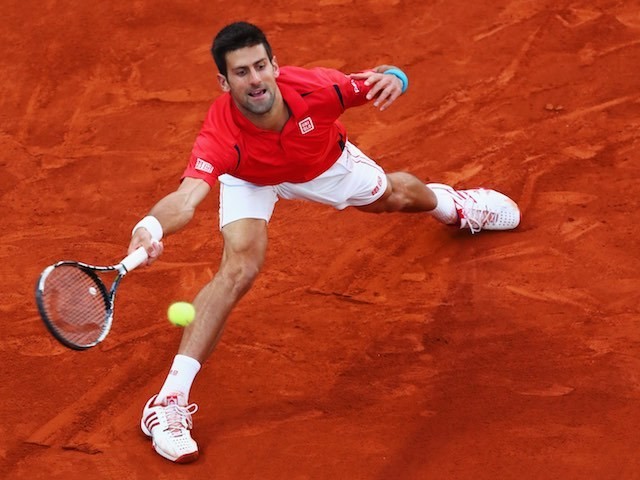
(294, 100)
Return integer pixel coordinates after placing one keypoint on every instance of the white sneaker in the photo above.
(481, 209)
(168, 423)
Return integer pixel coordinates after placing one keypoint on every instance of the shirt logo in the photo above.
(306, 125)
(204, 166)
(355, 86)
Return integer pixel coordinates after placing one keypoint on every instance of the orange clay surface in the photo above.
(371, 347)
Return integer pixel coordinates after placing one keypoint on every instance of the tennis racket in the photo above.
(74, 302)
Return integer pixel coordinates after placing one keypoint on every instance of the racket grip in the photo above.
(135, 259)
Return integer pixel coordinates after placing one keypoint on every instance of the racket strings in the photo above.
(75, 304)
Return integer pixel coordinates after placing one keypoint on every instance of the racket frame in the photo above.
(132, 261)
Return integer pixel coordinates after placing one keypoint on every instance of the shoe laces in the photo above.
(476, 214)
(179, 418)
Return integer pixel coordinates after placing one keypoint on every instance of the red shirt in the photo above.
(310, 142)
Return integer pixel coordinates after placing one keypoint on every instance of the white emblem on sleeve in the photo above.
(204, 166)
(306, 125)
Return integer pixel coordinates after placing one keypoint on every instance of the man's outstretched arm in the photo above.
(168, 216)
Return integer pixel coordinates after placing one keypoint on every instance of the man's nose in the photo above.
(254, 76)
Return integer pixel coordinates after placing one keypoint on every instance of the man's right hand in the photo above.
(142, 238)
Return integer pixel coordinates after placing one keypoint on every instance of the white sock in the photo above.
(183, 371)
(445, 210)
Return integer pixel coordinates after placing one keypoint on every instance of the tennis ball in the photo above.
(181, 313)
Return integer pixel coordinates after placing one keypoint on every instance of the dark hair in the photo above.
(233, 37)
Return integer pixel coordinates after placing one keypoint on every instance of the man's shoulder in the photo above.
(221, 105)
(219, 127)
(302, 78)
(219, 114)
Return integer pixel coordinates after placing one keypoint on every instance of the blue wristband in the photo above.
(396, 72)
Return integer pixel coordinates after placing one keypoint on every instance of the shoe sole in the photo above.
(187, 458)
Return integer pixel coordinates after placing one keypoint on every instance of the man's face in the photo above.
(251, 79)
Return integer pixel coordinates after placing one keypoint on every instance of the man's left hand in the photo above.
(386, 88)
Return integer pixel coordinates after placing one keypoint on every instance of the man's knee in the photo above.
(397, 196)
(240, 271)
(244, 252)
(404, 193)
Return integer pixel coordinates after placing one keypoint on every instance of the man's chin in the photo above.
(260, 108)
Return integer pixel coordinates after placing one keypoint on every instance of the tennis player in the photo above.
(274, 133)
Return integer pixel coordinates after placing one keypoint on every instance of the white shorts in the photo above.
(354, 180)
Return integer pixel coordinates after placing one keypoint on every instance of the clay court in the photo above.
(371, 347)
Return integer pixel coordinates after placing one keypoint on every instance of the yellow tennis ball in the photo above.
(181, 313)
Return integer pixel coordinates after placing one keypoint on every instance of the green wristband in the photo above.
(396, 72)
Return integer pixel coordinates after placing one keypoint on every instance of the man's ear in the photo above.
(276, 68)
(224, 84)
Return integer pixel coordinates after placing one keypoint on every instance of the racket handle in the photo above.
(135, 259)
